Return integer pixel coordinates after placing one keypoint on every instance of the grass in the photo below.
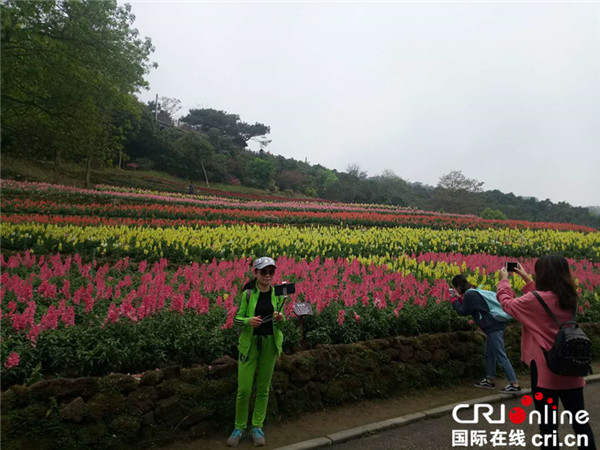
(22, 169)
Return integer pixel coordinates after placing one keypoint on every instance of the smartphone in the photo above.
(511, 266)
(452, 292)
(290, 288)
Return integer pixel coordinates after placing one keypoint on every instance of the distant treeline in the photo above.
(70, 72)
(209, 145)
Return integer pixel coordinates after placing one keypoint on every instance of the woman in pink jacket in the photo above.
(555, 285)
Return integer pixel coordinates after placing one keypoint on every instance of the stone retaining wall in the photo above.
(119, 411)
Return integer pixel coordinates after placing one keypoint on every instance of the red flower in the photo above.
(12, 360)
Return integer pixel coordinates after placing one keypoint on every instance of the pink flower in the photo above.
(68, 317)
(113, 315)
(229, 323)
(341, 316)
(12, 360)
(33, 334)
(357, 318)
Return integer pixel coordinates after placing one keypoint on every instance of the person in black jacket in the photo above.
(470, 302)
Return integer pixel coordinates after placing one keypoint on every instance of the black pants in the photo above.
(572, 400)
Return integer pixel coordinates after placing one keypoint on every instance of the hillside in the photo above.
(375, 190)
(21, 169)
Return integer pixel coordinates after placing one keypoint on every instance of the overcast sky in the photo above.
(509, 93)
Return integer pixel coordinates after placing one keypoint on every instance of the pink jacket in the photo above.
(539, 331)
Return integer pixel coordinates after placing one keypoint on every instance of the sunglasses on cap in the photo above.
(266, 271)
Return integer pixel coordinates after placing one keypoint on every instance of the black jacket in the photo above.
(473, 304)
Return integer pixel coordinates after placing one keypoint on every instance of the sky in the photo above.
(507, 92)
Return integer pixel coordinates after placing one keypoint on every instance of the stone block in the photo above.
(73, 411)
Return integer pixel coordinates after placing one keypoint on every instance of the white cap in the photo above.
(263, 262)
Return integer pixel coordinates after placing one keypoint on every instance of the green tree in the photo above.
(455, 181)
(354, 184)
(261, 173)
(193, 157)
(457, 193)
(229, 124)
(67, 68)
(389, 188)
(489, 213)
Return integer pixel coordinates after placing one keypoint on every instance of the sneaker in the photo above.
(510, 389)
(485, 384)
(235, 437)
(258, 437)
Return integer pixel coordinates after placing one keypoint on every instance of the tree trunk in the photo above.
(205, 176)
(88, 170)
(57, 155)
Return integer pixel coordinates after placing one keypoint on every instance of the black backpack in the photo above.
(571, 353)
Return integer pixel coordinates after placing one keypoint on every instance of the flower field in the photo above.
(94, 281)
(147, 204)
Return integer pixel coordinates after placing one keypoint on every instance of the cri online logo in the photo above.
(518, 415)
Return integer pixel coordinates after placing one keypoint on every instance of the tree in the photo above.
(354, 170)
(261, 172)
(327, 183)
(229, 124)
(291, 179)
(457, 193)
(389, 188)
(489, 213)
(354, 181)
(167, 108)
(456, 181)
(67, 68)
(193, 157)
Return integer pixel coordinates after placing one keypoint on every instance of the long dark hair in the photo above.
(250, 284)
(460, 282)
(552, 273)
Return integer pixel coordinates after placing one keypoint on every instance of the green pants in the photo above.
(265, 361)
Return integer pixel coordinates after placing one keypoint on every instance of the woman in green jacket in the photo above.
(259, 344)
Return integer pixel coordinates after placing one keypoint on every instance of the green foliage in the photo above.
(455, 181)
(229, 124)
(261, 172)
(489, 213)
(377, 323)
(191, 152)
(69, 72)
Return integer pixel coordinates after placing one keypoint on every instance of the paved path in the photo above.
(437, 433)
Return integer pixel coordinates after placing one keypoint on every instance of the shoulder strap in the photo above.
(248, 293)
(547, 309)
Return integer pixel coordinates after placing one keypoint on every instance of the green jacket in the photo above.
(246, 311)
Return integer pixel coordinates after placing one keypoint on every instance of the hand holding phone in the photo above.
(452, 292)
(285, 289)
(511, 266)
